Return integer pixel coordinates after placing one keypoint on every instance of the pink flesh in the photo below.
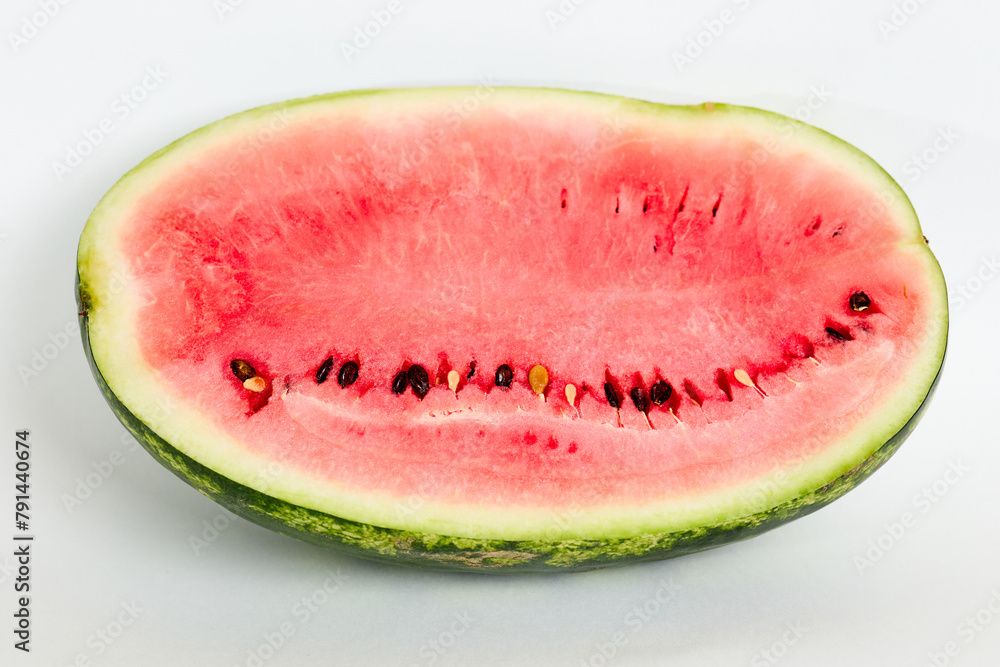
(504, 245)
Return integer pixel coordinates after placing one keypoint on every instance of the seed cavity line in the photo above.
(415, 377)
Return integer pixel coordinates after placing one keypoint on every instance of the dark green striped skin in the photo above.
(443, 552)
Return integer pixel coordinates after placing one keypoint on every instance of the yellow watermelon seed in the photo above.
(538, 378)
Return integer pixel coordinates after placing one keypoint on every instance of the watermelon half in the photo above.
(512, 329)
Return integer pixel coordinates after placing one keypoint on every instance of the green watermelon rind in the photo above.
(448, 552)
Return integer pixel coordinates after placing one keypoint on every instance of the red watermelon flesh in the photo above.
(761, 269)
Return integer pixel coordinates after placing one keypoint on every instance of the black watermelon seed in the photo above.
(419, 380)
(860, 301)
(612, 395)
(660, 392)
(639, 399)
(324, 370)
(348, 374)
(504, 376)
(242, 370)
(399, 382)
(836, 334)
(472, 370)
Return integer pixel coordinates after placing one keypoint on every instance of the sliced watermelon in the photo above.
(543, 329)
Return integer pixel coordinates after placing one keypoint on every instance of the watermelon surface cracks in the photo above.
(550, 330)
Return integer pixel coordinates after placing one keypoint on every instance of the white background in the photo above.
(854, 593)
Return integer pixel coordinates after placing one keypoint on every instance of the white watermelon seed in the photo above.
(256, 384)
(744, 378)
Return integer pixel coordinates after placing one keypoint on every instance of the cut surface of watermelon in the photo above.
(736, 316)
